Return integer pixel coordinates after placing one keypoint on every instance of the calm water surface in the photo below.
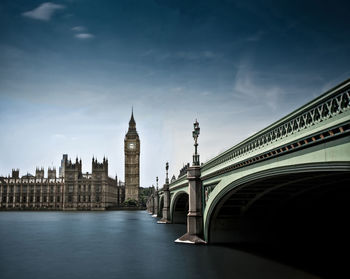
(117, 244)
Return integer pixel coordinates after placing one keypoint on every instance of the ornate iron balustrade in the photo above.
(178, 182)
(318, 110)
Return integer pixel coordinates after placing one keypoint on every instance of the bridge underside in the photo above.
(180, 209)
(300, 214)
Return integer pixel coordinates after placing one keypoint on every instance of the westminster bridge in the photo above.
(290, 180)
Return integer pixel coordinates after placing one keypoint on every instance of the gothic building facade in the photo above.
(71, 190)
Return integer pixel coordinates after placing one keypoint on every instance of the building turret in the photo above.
(61, 170)
(132, 123)
(39, 173)
(73, 169)
(51, 173)
(99, 167)
(15, 173)
(132, 133)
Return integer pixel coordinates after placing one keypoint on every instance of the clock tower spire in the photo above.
(132, 161)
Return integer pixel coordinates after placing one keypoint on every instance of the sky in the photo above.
(70, 72)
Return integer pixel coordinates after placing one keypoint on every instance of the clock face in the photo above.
(131, 145)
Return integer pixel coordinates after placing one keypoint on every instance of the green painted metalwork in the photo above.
(326, 111)
(326, 157)
(313, 137)
(180, 182)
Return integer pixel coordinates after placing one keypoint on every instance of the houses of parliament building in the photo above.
(72, 189)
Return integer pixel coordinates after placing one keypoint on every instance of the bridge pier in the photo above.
(156, 203)
(166, 209)
(148, 205)
(151, 205)
(194, 233)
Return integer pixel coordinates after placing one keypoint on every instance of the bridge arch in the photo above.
(179, 207)
(242, 200)
(295, 213)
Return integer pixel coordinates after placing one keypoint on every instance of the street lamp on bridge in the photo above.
(167, 168)
(194, 233)
(195, 134)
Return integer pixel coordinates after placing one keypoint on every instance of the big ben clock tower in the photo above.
(132, 161)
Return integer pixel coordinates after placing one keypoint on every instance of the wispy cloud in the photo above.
(79, 28)
(84, 36)
(44, 12)
(81, 32)
(248, 86)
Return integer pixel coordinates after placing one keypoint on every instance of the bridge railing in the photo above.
(178, 182)
(332, 103)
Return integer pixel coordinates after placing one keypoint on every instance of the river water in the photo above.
(117, 244)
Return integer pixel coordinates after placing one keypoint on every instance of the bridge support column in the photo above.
(156, 202)
(194, 217)
(166, 208)
(148, 204)
(151, 205)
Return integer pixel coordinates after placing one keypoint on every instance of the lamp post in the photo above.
(167, 168)
(194, 217)
(166, 193)
(195, 134)
(155, 201)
